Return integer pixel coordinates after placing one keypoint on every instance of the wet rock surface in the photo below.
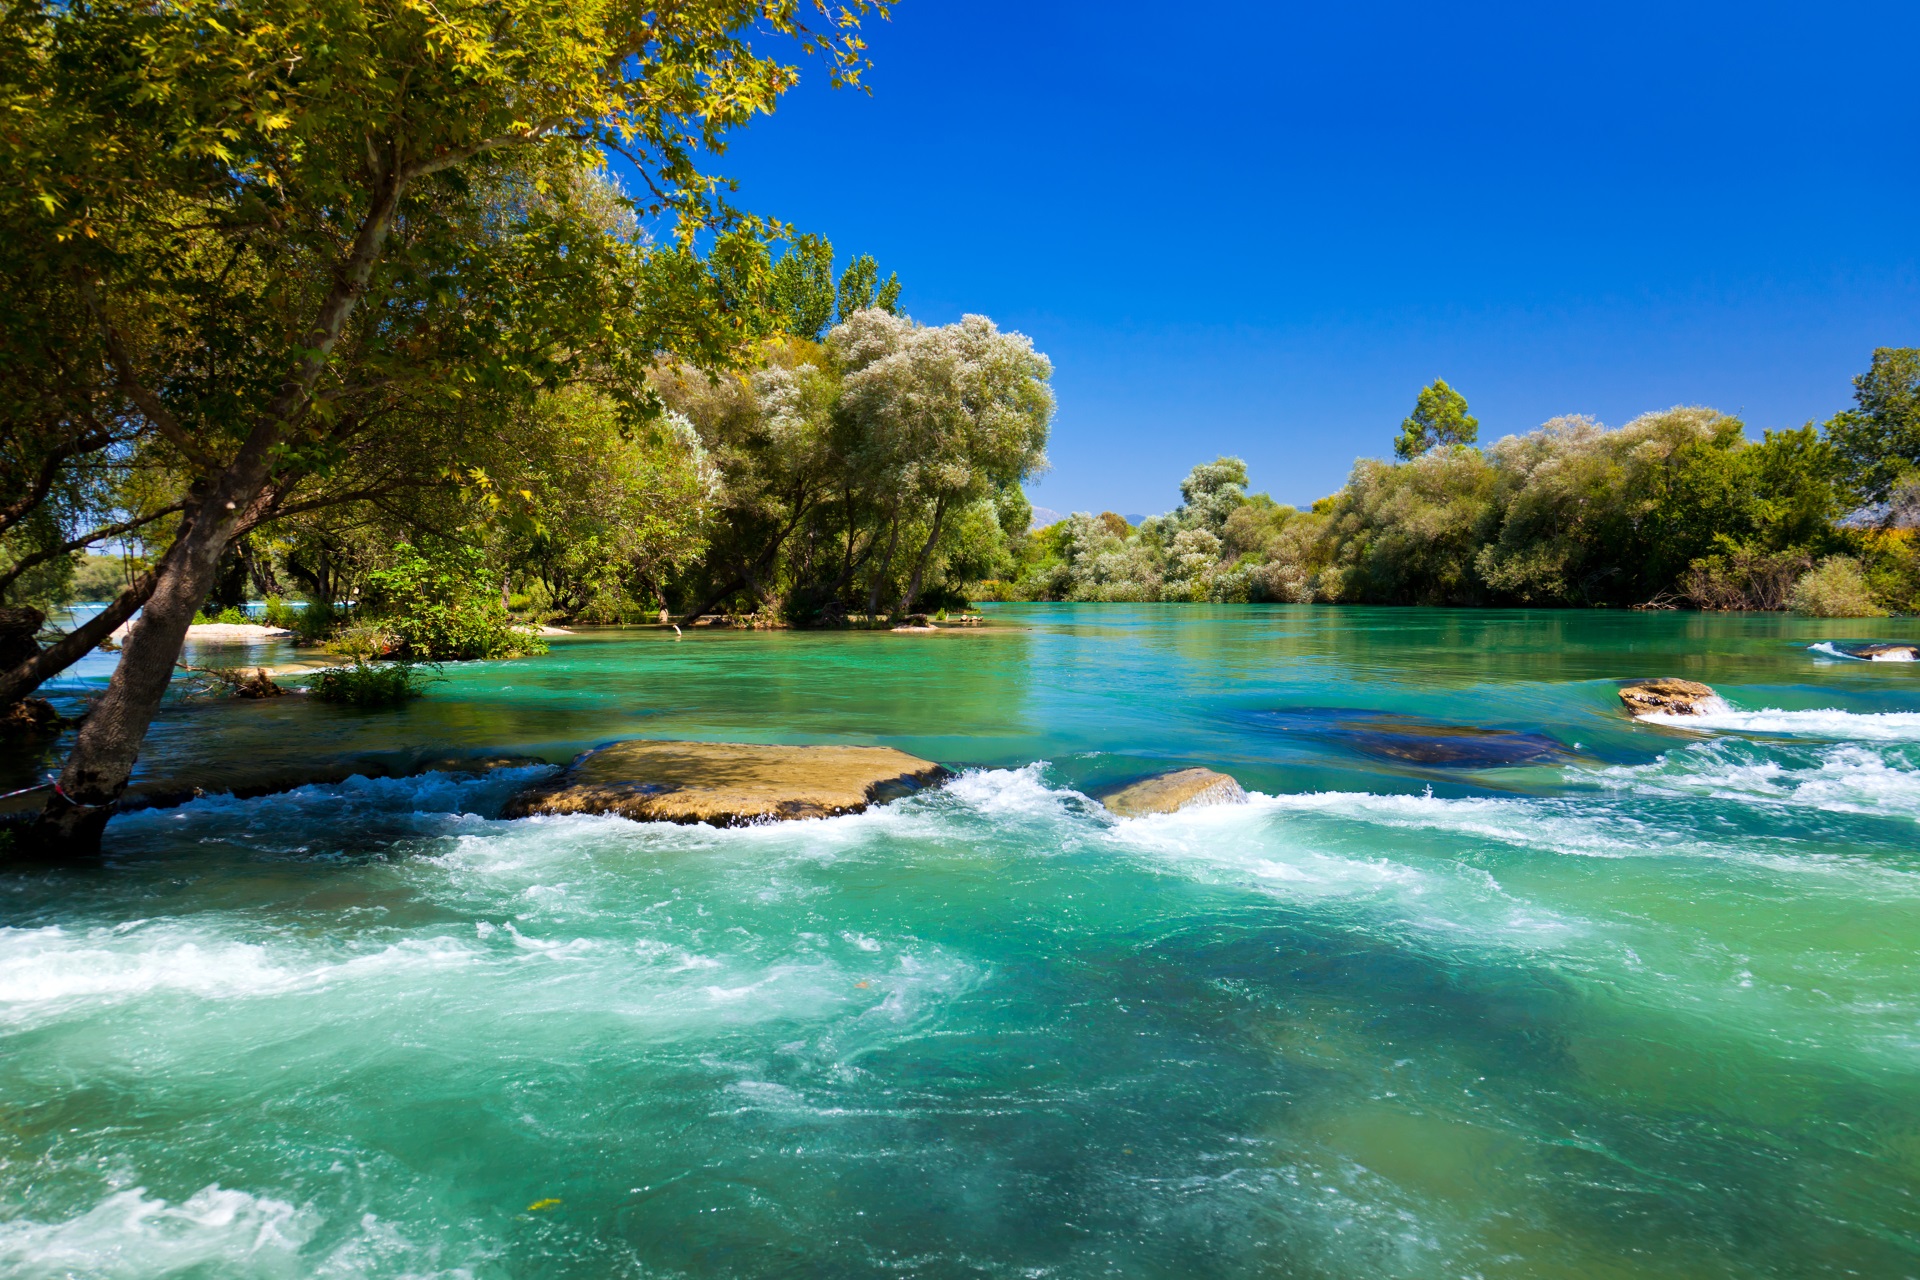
(1170, 792)
(1669, 697)
(1886, 652)
(1385, 735)
(727, 784)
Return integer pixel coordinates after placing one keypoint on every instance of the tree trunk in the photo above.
(109, 740)
(260, 570)
(223, 505)
(714, 597)
(27, 676)
(926, 554)
(886, 565)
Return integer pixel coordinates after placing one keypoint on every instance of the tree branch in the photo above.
(41, 557)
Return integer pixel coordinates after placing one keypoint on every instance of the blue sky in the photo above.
(1259, 229)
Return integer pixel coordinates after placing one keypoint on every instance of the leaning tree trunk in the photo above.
(36, 669)
(108, 743)
(226, 503)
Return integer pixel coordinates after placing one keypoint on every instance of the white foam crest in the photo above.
(1898, 654)
(1265, 845)
(1011, 793)
(1867, 726)
(50, 968)
(1544, 824)
(1843, 779)
(132, 1234)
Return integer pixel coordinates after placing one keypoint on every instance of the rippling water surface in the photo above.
(1566, 997)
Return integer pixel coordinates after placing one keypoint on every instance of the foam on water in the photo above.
(131, 1234)
(1839, 779)
(776, 1009)
(49, 971)
(1874, 726)
(1832, 650)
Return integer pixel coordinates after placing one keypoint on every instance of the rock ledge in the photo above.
(727, 784)
(1670, 697)
(1170, 792)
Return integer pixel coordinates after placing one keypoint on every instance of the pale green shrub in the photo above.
(1835, 589)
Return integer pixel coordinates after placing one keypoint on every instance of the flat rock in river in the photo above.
(1670, 697)
(727, 784)
(1169, 792)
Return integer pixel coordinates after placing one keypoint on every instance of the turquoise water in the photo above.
(1584, 998)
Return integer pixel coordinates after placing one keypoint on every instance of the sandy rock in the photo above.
(1669, 697)
(727, 784)
(1168, 792)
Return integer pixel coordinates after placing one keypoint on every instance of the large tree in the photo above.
(278, 217)
(1880, 436)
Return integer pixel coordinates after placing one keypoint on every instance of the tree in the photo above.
(956, 412)
(1212, 492)
(802, 289)
(1440, 417)
(1879, 438)
(860, 289)
(282, 218)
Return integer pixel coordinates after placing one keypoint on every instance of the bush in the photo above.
(1744, 579)
(439, 611)
(310, 624)
(227, 617)
(1835, 589)
(367, 684)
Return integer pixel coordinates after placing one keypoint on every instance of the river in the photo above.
(1572, 997)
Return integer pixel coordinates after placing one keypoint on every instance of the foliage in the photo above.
(1674, 504)
(311, 622)
(857, 477)
(1439, 418)
(1879, 438)
(1836, 588)
(264, 258)
(440, 608)
(230, 616)
(367, 684)
(1744, 579)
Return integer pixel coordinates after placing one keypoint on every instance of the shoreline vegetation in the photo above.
(1676, 509)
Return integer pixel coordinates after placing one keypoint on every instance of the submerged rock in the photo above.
(1389, 735)
(1669, 697)
(727, 784)
(1170, 792)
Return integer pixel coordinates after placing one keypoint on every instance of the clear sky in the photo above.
(1258, 229)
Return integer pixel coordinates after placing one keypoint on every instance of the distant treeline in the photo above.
(1677, 508)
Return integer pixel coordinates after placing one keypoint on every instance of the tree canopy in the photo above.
(1439, 418)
